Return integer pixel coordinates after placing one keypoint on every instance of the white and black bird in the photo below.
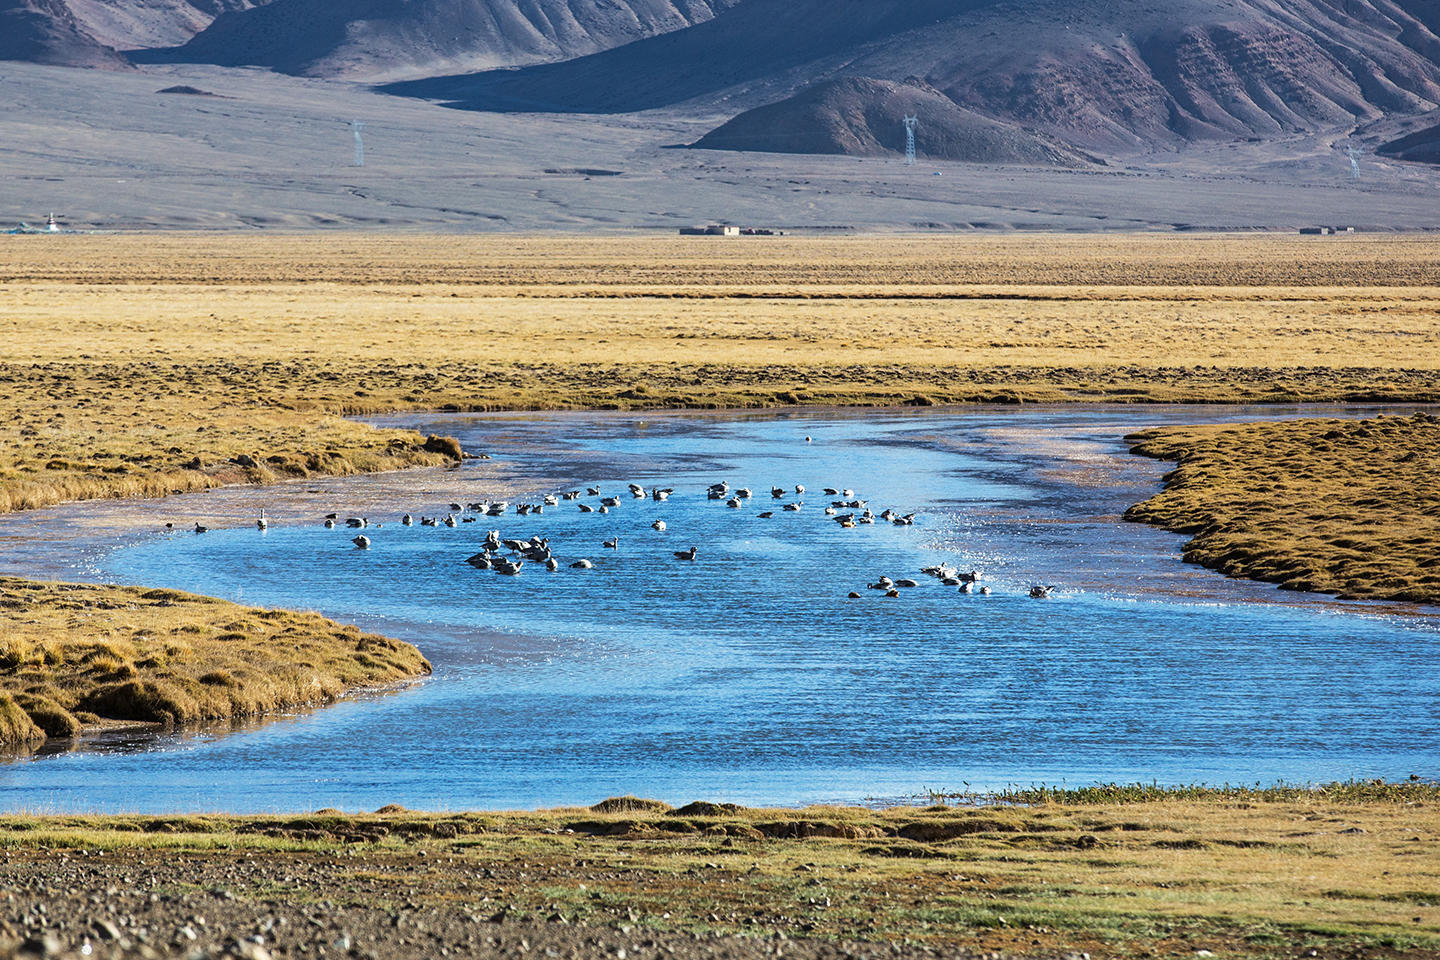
(686, 554)
(361, 542)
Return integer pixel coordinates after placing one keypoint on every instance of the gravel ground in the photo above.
(126, 905)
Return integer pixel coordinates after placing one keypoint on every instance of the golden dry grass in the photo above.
(1350, 507)
(1254, 877)
(138, 365)
(72, 654)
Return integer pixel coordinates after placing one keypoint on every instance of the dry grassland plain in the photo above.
(1350, 872)
(144, 364)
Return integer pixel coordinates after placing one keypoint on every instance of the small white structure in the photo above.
(713, 230)
(51, 224)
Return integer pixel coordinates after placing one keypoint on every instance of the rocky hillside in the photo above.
(377, 38)
(863, 117)
(1108, 75)
(47, 31)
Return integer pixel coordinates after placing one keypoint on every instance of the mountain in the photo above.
(374, 38)
(863, 117)
(47, 31)
(138, 24)
(1422, 146)
(1111, 75)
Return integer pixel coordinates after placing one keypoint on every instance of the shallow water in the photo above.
(747, 675)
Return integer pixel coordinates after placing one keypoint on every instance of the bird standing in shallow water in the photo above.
(262, 524)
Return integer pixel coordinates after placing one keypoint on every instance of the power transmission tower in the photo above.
(910, 123)
(1354, 164)
(357, 126)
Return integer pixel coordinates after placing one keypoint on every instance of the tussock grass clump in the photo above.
(1349, 507)
(628, 804)
(81, 654)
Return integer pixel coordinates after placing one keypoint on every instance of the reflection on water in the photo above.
(747, 675)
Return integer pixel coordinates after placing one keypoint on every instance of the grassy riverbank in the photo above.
(1350, 507)
(1351, 871)
(77, 656)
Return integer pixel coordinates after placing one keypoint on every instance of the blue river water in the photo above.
(748, 675)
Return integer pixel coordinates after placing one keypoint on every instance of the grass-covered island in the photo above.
(1347, 871)
(75, 655)
(1350, 507)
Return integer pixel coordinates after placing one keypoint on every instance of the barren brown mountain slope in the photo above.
(1109, 76)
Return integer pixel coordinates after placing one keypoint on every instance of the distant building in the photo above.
(713, 230)
(1324, 231)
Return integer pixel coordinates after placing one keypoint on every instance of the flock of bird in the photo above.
(507, 556)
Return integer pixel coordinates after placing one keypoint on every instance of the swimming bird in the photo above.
(262, 523)
(586, 508)
(603, 510)
(967, 587)
(854, 595)
(332, 516)
(552, 564)
(734, 503)
(884, 583)
(582, 565)
(508, 567)
(429, 522)
(766, 515)
(984, 591)
(612, 544)
(846, 523)
(496, 509)
(799, 488)
(743, 493)
(907, 583)
(892, 594)
(456, 508)
(972, 577)
(481, 561)
(1039, 592)
(830, 492)
(718, 491)
(407, 520)
(610, 501)
(662, 494)
(552, 501)
(777, 492)
(593, 491)
(329, 524)
(571, 495)
(793, 507)
(658, 525)
(847, 493)
(450, 520)
(686, 554)
(200, 529)
(906, 521)
(361, 542)
(637, 491)
(831, 511)
(356, 522)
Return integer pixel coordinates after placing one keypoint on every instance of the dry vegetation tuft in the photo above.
(1350, 507)
(76, 654)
